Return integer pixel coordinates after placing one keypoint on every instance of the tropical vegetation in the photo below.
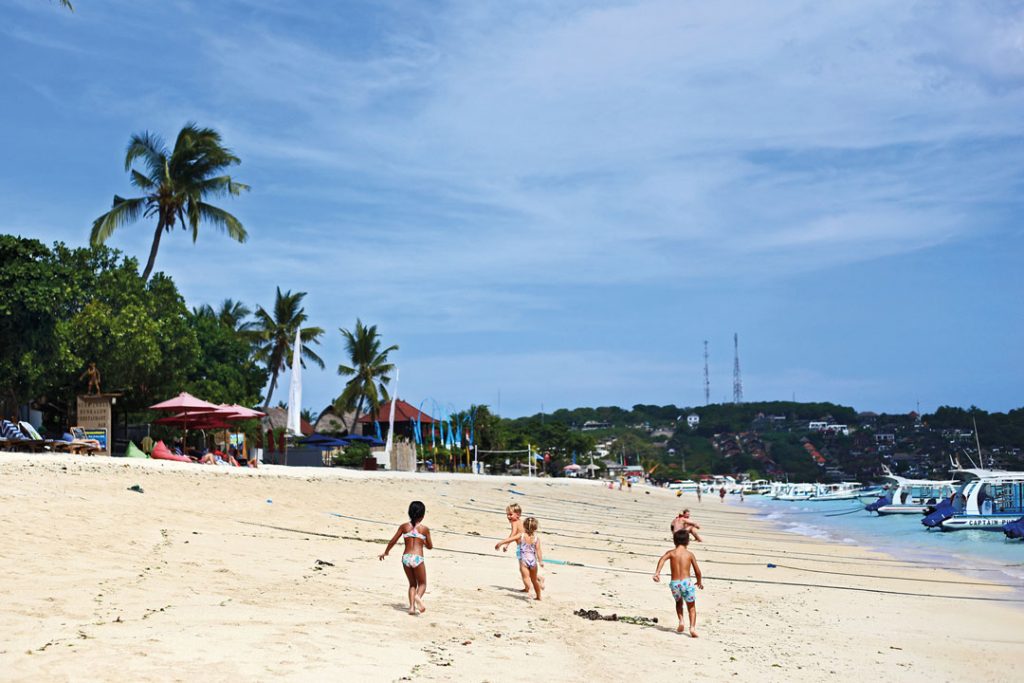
(369, 369)
(275, 334)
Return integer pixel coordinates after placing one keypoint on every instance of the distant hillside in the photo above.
(775, 439)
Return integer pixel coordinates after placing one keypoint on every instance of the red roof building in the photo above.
(403, 413)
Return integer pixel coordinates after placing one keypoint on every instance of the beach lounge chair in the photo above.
(81, 446)
(16, 440)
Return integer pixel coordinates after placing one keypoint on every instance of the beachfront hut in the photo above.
(277, 418)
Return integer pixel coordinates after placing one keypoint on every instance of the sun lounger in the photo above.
(14, 439)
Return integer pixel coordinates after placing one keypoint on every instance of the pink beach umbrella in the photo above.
(186, 403)
(236, 412)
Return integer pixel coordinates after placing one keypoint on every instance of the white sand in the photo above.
(192, 581)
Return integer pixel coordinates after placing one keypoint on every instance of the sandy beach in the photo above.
(217, 574)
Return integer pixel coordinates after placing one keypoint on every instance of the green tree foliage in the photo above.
(276, 336)
(994, 429)
(32, 298)
(225, 370)
(63, 308)
(369, 369)
(175, 187)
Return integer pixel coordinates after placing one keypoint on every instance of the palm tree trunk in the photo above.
(152, 252)
(355, 418)
(273, 385)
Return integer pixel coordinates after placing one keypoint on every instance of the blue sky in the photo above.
(557, 202)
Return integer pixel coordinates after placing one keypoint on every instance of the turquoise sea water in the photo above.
(984, 554)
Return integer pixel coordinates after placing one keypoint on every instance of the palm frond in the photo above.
(150, 148)
(141, 181)
(124, 211)
(220, 218)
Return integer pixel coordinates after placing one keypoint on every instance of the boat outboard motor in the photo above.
(882, 500)
(1014, 529)
(940, 513)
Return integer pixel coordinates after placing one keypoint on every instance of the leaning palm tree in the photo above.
(175, 185)
(276, 335)
(370, 371)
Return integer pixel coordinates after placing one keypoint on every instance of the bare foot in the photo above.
(412, 611)
(419, 604)
(681, 629)
(693, 634)
(537, 598)
(525, 590)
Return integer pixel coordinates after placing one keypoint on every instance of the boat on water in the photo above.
(847, 490)
(911, 496)
(757, 487)
(795, 492)
(986, 500)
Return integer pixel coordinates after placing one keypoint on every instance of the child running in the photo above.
(530, 555)
(683, 588)
(513, 513)
(683, 521)
(417, 537)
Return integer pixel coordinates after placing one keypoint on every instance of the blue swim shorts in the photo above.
(683, 590)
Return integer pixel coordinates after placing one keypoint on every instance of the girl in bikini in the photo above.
(530, 555)
(417, 537)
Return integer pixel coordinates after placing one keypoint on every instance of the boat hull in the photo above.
(902, 510)
(982, 522)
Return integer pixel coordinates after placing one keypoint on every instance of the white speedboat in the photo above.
(847, 490)
(987, 500)
(795, 492)
(911, 496)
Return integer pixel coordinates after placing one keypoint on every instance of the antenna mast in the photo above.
(737, 383)
(707, 380)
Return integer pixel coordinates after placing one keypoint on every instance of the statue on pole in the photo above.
(94, 378)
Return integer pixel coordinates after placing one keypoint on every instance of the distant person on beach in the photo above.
(682, 562)
(514, 513)
(417, 537)
(530, 555)
(698, 494)
(682, 522)
(721, 494)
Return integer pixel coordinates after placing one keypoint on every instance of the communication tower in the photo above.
(737, 383)
(707, 380)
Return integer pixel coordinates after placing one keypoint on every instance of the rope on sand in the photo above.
(623, 570)
(640, 571)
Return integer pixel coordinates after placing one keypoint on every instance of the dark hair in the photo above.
(681, 537)
(416, 511)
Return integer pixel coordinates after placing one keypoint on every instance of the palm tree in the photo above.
(276, 334)
(234, 314)
(370, 371)
(66, 4)
(175, 186)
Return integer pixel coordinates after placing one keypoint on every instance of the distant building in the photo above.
(692, 420)
(837, 429)
(591, 425)
(816, 426)
(885, 438)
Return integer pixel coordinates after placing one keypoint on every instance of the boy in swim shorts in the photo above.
(682, 562)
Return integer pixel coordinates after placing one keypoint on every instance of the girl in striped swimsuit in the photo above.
(417, 537)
